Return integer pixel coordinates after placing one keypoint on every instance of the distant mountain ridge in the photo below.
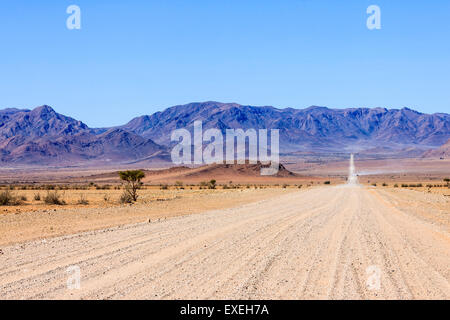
(42, 136)
(303, 129)
(39, 122)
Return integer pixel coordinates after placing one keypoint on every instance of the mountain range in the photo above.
(44, 137)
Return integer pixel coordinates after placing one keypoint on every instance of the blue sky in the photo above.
(138, 57)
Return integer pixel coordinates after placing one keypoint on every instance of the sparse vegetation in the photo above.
(103, 187)
(412, 185)
(82, 200)
(8, 199)
(125, 198)
(133, 182)
(37, 197)
(212, 184)
(53, 197)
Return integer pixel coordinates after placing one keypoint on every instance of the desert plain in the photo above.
(304, 234)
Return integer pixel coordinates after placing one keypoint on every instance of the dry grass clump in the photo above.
(211, 184)
(9, 199)
(54, 198)
(82, 200)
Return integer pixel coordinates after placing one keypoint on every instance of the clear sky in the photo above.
(136, 57)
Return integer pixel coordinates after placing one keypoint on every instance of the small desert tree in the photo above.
(133, 182)
(212, 184)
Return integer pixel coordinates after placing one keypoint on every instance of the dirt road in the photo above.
(344, 242)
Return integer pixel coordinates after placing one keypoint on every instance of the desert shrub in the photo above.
(447, 181)
(164, 187)
(8, 199)
(54, 198)
(225, 186)
(106, 198)
(404, 185)
(82, 200)
(385, 184)
(374, 184)
(212, 184)
(37, 197)
(300, 186)
(103, 187)
(419, 185)
(125, 197)
(395, 185)
(285, 186)
(203, 184)
(327, 182)
(178, 183)
(23, 198)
